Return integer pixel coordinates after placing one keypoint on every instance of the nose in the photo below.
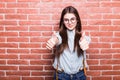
(69, 22)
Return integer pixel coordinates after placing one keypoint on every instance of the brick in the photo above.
(103, 34)
(8, 67)
(99, 22)
(116, 67)
(107, 62)
(18, 51)
(2, 73)
(111, 73)
(92, 62)
(99, 10)
(49, 68)
(2, 62)
(2, 5)
(93, 73)
(107, 39)
(40, 28)
(1, 18)
(91, 28)
(19, 39)
(15, 17)
(100, 45)
(102, 78)
(116, 56)
(100, 56)
(40, 62)
(46, 33)
(39, 17)
(27, 11)
(2, 50)
(93, 51)
(47, 57)
(110, 28)
(28, 0)
(2, 39)
(32, 78)
(48, 78)
(117, 34)
(116, 10)
(18, 62)
(30, 56)
(116, 78)
(41, 39)
(100, 67)
(30, 34)
(29, 45)
(29, 22)
(110, 4)
(31, 68)
(8, 22)
(5, 56)
(7, 11)
(18, 73)
(8, 34)
(110, 51)
(8, 0)
(116, 45)
(17, 5)
(115, 22)
(42, 73)
(40, 51)
(8, 45)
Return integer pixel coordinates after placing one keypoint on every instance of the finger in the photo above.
(48, 47)
(85, 48)
(83, 36)
(51, 41)
(54, 34)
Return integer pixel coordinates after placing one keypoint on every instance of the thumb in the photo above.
(54, 34)
(83, 35)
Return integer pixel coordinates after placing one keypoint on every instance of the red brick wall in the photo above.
(26, 25)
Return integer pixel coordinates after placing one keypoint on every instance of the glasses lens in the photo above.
(72, 20)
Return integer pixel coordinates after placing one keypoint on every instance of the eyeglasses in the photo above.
(72, 20)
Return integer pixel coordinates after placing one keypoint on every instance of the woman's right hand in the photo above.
(52, 41)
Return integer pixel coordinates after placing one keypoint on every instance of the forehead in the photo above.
(69, 15)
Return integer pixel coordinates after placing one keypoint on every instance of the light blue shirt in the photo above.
(69, 61)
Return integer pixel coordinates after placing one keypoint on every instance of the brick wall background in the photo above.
(26, 25)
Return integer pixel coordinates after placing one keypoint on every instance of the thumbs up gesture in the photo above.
(52, 41)
(84, 42)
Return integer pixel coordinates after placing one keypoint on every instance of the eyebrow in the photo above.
(70, 18)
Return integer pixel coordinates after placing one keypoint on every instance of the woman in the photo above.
(71, 43)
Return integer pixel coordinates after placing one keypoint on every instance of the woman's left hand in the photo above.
(84, 43)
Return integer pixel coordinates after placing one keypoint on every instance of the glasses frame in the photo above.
(72, 20)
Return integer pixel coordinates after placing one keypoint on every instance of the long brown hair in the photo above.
(63, 32)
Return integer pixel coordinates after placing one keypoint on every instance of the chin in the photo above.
(71, 29)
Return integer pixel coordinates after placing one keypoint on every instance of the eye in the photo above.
(66, 20)
(72, 19)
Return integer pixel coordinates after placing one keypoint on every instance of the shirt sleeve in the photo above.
(85, 61)
(59, 38)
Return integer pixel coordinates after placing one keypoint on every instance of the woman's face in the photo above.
(70, 21)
